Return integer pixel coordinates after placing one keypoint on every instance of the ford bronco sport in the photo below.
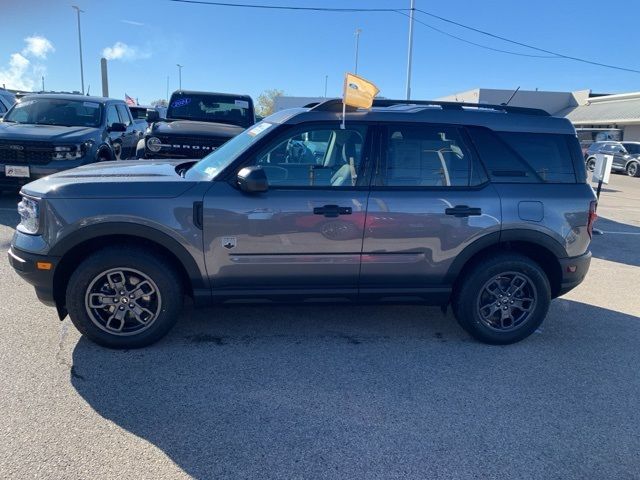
(197, 123)
(485, 208)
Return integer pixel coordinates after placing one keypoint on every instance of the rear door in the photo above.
(304, 235)
(430, 199)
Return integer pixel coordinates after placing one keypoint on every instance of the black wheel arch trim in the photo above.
(144, 232)
(496, 238)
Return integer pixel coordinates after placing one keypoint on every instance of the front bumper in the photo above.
(36, 171)
(574, 270)
(30, 267)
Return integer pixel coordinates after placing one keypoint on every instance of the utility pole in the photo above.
(357, 34)
(42, 83)
(326, 80)
(179, 75)
(78, 11)
(410, 49)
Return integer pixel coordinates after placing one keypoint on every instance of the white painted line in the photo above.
(620, 233)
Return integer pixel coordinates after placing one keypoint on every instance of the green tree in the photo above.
(266, 101)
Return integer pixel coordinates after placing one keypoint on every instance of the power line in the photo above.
(289, 7)
(504, 39)
(474, 43)
(550, 54)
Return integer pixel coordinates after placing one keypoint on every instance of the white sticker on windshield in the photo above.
(91, 104)
(258, 129)
(242, 103)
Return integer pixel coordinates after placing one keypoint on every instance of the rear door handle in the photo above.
(463, 211)
(332, 210)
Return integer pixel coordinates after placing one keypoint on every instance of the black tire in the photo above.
(633, 169)
(591, 164)
(470, 294)
(160, 304)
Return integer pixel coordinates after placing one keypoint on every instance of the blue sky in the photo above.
(247, 51)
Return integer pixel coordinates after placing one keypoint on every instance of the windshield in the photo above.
(55, 111)
(211, 108)
(211, 165)
(632, 148)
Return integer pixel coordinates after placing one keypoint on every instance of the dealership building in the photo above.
(596, 116)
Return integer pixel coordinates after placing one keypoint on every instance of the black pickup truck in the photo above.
(197, 123)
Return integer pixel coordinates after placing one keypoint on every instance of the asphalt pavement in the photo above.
(340, 392)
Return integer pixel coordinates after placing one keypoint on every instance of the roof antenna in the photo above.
(511, 97)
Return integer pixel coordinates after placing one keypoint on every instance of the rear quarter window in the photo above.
(517, 157)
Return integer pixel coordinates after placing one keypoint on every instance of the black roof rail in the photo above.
(383, 102)
(331, 105)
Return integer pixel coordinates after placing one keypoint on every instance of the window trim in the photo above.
(229, 174)
(381, 160)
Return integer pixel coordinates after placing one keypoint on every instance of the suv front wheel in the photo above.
(123, 297)
(502, 299)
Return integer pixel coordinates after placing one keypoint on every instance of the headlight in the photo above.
(154, 144)
(71, 152)
(29, 211)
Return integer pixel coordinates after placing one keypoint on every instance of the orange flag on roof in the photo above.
(358, 92)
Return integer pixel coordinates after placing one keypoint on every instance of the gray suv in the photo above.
(486, 209)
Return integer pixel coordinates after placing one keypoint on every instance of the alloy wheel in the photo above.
(506, 301)
(123, 301)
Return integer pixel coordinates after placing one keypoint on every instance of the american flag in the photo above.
(130, 101)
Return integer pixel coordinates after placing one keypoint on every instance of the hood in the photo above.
(132, 179)
(45, 133)
(200, 129)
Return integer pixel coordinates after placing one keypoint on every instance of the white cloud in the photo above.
(133, 22)
(21, 73)
(122, 51)
(37, 46)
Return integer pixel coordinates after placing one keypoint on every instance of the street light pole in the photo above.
(78, 11)
(358, 32)
(410, 49)
(179, 76)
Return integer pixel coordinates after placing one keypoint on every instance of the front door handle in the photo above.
(332, 211)
(463, 211)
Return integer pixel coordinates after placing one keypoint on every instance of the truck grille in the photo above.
(25, 152)
(189, 147)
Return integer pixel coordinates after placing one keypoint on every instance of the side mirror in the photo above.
(253, 180)
(117, 127)
(153, 116)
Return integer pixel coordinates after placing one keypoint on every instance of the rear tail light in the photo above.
(592, 217)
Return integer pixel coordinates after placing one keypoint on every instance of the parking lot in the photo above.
(333, 391)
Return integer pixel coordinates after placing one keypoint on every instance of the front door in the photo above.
(305, 233)
(430, 199)
(131, 136)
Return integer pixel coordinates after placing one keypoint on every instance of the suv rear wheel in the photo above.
(124, 297)
(591, 164)
(503, 299)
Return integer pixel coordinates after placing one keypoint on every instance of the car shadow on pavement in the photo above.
(375, 392)
(620, 242)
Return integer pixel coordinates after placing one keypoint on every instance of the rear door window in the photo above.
(428, 156)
